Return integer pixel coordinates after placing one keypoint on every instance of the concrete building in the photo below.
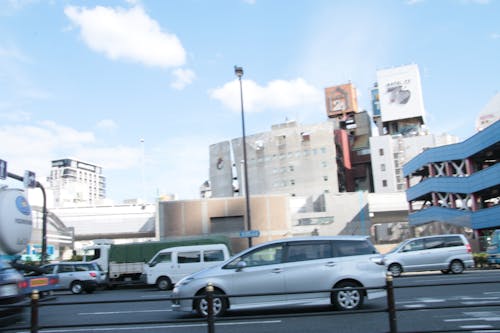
(292, 159)
(399, 115)
(73, 182)
(274, 216)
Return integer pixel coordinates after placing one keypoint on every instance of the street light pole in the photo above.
(239, 73)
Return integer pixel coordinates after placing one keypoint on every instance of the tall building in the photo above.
(294, 159)
(352, 132)
(75, 183)
(399, 114)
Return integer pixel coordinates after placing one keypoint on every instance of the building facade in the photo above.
(292, 159)
(74, 183)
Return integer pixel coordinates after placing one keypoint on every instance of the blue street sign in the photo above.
(249, 233)
(3, 169)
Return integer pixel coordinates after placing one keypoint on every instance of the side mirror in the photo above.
(240, 265)
(152, 264)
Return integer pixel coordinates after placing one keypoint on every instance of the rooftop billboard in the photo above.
(340, 100)
(400, 93)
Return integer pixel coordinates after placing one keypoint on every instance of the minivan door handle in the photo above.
(330, 264)
(277, 270)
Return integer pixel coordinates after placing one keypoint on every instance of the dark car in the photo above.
(12, 298)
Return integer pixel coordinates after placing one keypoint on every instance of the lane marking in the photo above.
(119, 312)
(115, 329)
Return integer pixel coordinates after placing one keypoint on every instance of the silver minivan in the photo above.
(447, 253)
(281, 270)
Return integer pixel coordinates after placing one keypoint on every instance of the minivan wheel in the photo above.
(456, 267)
(347, 299)
(76, 287)
(395, 269)
(163, 283)
(220, 304)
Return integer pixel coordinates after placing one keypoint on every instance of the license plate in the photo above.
(8, 290)
(39, 282)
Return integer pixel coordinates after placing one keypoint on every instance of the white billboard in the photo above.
(400, 93)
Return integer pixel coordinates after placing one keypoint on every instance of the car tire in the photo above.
(348, 299)
(456, 267)
(164, 283)
(220, 304)
(76, 287)
(395, 269)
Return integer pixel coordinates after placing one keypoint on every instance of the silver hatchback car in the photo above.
(281, 270)
(447, 253)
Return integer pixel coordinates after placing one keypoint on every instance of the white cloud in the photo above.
(184, 77)
(276, 95)
(127, 34)
(32, 147)
(107, 124)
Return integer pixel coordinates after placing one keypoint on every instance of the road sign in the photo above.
(249, 233)
(3, 169)
(29, 179)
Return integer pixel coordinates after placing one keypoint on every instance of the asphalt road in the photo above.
(472, 297)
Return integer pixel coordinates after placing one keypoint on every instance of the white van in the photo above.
(172, 264)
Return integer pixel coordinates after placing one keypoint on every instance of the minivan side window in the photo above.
(300, 251)
(268, 255)
(213, 255)
(454, 241)
(343, 248)
(434, 243)
(414, 245)
(188, 257)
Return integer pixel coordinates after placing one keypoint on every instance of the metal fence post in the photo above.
(391, 307)
(35, 296)
(210, 310)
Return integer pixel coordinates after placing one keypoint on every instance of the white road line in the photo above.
(475, 327)
(119, 312)
(473, 319)
(149, 328)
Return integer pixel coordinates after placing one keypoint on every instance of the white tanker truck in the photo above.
(15, 234)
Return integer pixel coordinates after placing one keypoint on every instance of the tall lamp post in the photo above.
(239, 73)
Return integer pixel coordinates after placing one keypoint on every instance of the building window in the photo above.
(292, 182)
(325, 178)
(384, 183)
(381, 152)
(291, 168)
(382, 167)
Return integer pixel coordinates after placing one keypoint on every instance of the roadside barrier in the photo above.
(210, 320)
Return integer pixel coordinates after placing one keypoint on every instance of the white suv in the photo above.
(447, 253)
(281, 270)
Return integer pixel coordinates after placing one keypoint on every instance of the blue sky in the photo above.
(90, 79)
